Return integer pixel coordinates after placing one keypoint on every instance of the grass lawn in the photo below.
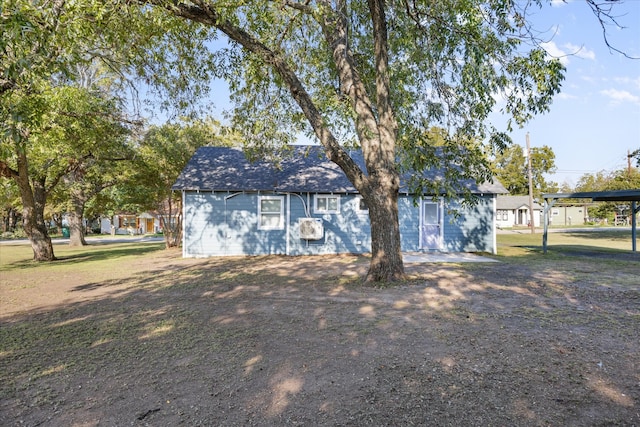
(523, 242)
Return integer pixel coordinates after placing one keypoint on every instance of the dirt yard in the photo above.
(163, 341)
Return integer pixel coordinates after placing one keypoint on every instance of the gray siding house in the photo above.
(307, 206)
(513, 211)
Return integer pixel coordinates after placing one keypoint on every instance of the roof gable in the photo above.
(515, 202)
(307, 170)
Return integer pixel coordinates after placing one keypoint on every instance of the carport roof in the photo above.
(599, 196)
(632, 196)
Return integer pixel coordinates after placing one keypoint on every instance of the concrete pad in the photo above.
(431, 257)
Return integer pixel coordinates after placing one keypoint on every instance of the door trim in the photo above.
(437, 244)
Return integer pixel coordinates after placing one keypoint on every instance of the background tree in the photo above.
(10, 205)
(622, 179)
(41, 46)
(101, 140)
(73, 132)
(97, 134)
(636, 154)
(510, 167)
(161, 155)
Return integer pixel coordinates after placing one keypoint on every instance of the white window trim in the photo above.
(325, 211)
(280, 225)
(358, 203)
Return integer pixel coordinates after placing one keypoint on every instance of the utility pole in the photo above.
(531, 220)
(629, 163)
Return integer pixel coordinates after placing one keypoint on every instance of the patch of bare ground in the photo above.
(299, 341)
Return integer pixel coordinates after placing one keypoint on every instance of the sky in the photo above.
(595, 120)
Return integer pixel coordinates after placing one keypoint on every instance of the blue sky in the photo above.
(595, 119)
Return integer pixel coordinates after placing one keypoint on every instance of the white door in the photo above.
(431, 227)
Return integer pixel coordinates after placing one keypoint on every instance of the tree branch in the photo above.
(302, 7)
(113, 117)
(387, 121)
(202, 12)
(7, 171)
(335, 29)
(603, 13)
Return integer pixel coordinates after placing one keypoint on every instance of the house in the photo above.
(513, 211)
(307, 206)
(569, 214)
(123, 223)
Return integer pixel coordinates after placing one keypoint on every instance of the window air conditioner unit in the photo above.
(311, 228)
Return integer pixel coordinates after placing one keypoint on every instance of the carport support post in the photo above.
(634, 225)
(547, 207)
(544, 219)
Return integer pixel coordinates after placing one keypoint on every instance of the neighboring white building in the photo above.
(144, 223)
(513, 211)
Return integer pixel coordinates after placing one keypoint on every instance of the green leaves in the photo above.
(510, 167)
(160, 157)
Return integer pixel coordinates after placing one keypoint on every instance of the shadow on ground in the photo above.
(278, 340)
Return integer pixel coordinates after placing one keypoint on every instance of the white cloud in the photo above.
(564, 95)
(580, 51)
(555, 52)
(628, 81)
(620, 96)
(558, 3)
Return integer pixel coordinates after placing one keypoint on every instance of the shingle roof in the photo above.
(308, 170)
(515, 202)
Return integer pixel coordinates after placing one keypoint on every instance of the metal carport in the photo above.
(632, 196)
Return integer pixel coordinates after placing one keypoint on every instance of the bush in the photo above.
(18, 233)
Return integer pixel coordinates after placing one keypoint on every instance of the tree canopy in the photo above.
(622, 179)
(161, 154)
(43, 45)
(511, 168)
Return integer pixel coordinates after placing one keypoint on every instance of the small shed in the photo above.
(632, 196)
(305, 205)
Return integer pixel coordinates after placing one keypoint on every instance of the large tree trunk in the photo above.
(33, 201)
(386, 254)
(76, 229)
(172, 230)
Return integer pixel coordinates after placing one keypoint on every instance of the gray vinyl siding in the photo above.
(472, 230)
(226, 223)
(219, 224)
(347, 231)
(409, 219)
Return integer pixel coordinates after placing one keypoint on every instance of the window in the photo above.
(327, 204)
(502, 215)
(270, 213)
(127, 221)
(362, 205)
